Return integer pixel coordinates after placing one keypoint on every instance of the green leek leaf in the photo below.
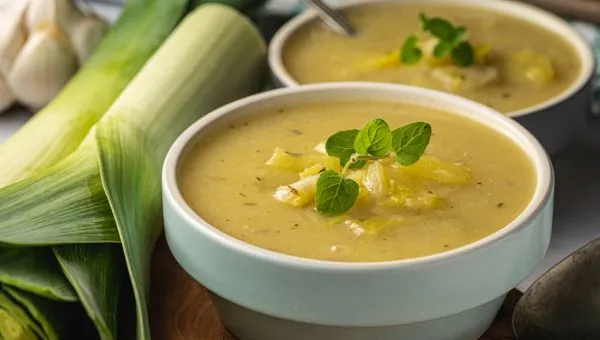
(57, 217)
(123, 155)
(15, 323)
(133, 144)
(51, 135)
(91, 270)
(53, 320)
(136, 192)
(46, 279)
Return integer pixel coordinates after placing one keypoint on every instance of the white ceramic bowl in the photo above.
(264, 295)
(555, 122)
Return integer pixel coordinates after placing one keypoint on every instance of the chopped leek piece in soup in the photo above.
(372, 181)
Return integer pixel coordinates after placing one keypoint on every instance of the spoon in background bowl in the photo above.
(564, 303)
(332, 18)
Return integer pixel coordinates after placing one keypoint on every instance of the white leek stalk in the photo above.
(299, 193)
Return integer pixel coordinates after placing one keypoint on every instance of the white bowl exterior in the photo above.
(246, 324)
(360, 294)
(558, 125)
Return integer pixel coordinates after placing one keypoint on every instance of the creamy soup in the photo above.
(471, 182)
(517, 64)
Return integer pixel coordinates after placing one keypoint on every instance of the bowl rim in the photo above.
(526, 11)
(534, 150)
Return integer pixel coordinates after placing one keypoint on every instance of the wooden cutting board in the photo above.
(180, 308)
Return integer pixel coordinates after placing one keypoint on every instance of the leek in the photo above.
(59, 128)
(98, 207)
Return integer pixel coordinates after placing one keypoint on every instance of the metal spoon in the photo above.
(564, 303)
(332, 18)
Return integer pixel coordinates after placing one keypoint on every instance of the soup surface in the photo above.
(521, 64)
(471, 182)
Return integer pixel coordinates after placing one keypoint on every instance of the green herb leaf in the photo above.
(341, 145)
(442, 50)
(438, 27)
(410, 142)
(358, 165)
(374, 139)
(335, 195)
(452, 40)
(463, 54)
(460, 35)
(411, 53)
(424, 21)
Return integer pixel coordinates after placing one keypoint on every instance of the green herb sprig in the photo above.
(355, 148)
(452, 42)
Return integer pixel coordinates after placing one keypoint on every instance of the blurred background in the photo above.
(585, 14)
(587, 10)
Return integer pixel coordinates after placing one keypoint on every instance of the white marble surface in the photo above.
(577, 212)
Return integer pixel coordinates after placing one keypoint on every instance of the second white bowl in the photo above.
(555, 122)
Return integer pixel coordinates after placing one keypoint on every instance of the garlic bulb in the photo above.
(42, 44)
(42, 68)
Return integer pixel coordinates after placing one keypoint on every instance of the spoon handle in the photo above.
(333, 18)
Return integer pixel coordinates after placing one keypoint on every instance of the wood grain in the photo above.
(181, 310)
